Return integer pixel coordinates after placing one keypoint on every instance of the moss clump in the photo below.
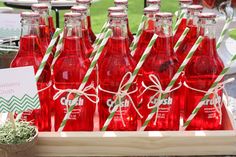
(24, 132)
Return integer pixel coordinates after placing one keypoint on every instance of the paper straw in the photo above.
(58, 50)
(178, 22)
(130, 81)
(173, 80)
(206, 96)
(181, 38)
(47, 54)
(44, 60)
(223, 32)
(134, 44)
(99, 39)
(85, 79)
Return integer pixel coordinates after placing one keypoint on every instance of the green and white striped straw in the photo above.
(223, 32)
(134, 44)
(99, 39)
(181, 38)
(44, 60)
(174, 79)
(58, 50)
(48, 53)
(180, 17)
(85, 79)
(102, 32)
(130, 81)
(206, 96)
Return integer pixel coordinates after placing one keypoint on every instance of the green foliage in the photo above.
(24, 132)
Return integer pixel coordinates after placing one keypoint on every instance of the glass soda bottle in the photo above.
(200, 73)
(183, 8)
(44, 33)
(50, 18)
(124, 4)
(85, 32)
(153, 3)
(113, 68)
(148, 31)
(161, 65)
(30, 54)
(190, 39)
(87, 4)
(69, 71)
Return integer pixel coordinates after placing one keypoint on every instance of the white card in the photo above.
(18, 90)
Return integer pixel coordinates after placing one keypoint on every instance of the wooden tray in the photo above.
(154, 143)
(140, 143)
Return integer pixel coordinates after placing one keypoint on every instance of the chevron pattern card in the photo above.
(18, 90)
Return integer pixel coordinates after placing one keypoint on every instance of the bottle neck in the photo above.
(192, 17)
(73, 44)
(149, 24)
(118, 27)
(29, 27)
(164, 43)
(87, 6)
(43, 20)
(207, 29)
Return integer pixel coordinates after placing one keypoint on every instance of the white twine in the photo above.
(156, 87)
(120, 94)
(77, 92)
(217, 105)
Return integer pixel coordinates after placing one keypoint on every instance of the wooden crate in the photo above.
(140, 143)
(154, 143)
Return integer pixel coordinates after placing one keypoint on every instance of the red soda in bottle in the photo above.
(114, 71)
(44, 33)
(148, 32)
(157, 72)
(183, 8)
(153, 3)
(190, 39)
(124, 4)
(85, 32)
(200, 73)
(30, 54)
(69, 71)
(87, 4)
(50, 18)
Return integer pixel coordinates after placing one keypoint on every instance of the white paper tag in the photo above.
(18, 90)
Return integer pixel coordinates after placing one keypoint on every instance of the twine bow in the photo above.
(120, 94)
(156, 87)
(217, 104)
(77, 92)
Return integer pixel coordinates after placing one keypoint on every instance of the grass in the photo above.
(99, 12)
(232, 34)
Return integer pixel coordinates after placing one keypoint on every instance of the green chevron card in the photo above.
(18, 90)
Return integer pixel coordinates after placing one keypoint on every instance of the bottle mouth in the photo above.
(79, 9)
(153, 2)
(72, 15)
(118, 15)
(83, 1)
(40, 1)
(42, 7)
(29, 14)
(164, 15)
(151, 10)
(195, 7)
(121, 1)
(206, 15)
(185, 1)
(115, 9)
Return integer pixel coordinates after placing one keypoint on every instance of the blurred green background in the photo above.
(99, 12)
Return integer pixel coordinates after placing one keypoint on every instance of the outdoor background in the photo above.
(99, 12)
